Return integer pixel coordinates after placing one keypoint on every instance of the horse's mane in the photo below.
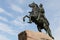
(36, 5)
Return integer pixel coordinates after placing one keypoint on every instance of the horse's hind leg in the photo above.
(39, 29)
(47, 29)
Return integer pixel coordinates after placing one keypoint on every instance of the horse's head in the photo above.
(33, 5)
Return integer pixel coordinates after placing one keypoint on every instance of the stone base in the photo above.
(30, 35)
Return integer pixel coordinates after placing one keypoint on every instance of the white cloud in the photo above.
(16, 1)
(6, 28)
(21, 1)
(19, 22)
(9, 14)
(1, 10)
(2, 37)
(53, 5)
(57, 34)
(5, 12)
(16, 8)
(56, 26)
(4, 19)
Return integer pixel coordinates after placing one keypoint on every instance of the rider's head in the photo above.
(41, 5)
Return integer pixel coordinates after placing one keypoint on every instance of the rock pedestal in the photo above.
(30, 35)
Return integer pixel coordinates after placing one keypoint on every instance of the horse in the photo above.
(40, 24)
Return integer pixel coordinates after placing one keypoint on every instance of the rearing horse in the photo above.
(40, 24)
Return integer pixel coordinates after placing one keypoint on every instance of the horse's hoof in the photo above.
(29, 22)
(23, 20)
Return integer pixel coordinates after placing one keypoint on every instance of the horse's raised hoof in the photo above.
(29, 22)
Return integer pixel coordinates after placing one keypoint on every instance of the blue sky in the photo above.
(12, 12)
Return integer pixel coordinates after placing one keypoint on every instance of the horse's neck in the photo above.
(35, 9)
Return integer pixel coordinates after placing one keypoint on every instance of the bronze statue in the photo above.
(38, 17)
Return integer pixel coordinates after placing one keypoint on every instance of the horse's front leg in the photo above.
(25, 17)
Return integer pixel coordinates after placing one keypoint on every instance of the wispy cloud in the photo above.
(6, 28)
(3, 11)
(21, 1)
(57, 34)
(52, 5)
(16, 1)
(2, 37)
(16, 8)
(3, 19)
(19, 22)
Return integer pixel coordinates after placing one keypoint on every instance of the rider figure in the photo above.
(42, 14)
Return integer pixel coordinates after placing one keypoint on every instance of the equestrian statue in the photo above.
(37, 16)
